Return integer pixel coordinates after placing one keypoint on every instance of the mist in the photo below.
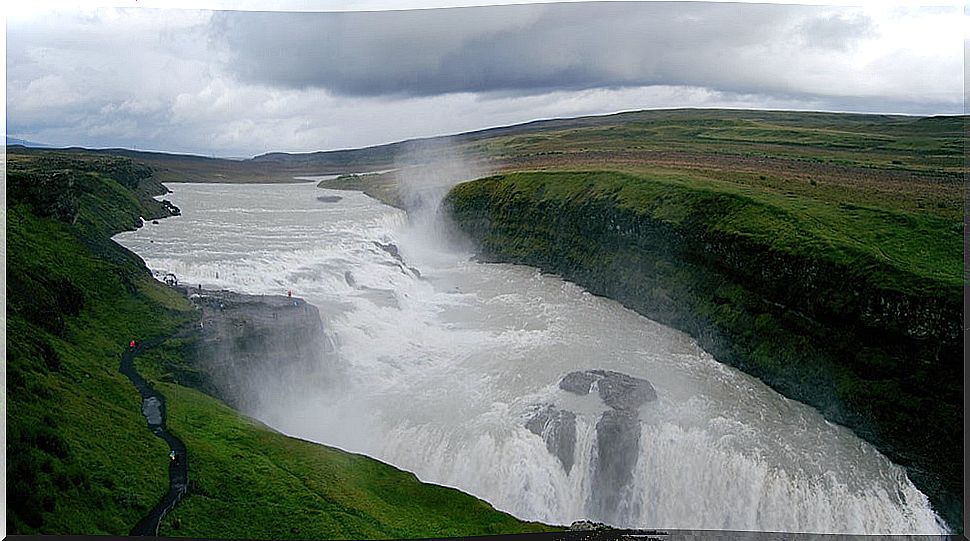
(427, 169)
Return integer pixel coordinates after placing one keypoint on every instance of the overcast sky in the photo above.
(240, 83)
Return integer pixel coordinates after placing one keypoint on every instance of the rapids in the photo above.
(438, 370)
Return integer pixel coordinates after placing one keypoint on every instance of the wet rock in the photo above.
(391, 249)
(624, 393)
(618, 391)
(253, 348)
(617, 434)
(170, 208)
(617, 448)
(558, 429)
(577, 382)
(588, 526)
(329, 198)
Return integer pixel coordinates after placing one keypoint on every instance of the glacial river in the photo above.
(438, 371)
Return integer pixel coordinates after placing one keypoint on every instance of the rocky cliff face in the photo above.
(885, 362)
(257, 347)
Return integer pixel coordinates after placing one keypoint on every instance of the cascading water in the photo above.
(446, 361)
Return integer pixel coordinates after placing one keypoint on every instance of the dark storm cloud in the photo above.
(530, 48)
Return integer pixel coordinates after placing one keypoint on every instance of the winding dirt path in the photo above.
(153, 408)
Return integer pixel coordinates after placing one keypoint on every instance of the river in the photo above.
(441, 361)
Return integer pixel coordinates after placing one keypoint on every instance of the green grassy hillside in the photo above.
(80, 458)
(910, 163)
(931, 145)
(901, 163)
(916, 253)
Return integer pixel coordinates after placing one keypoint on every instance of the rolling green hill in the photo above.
(905, 162)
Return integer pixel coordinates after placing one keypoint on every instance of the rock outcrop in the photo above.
(255, 347)
(618, 391)
(558, 429)
(617, 449)
(392, 250)
(617, 432)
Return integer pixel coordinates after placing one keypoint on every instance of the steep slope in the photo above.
(80, 459)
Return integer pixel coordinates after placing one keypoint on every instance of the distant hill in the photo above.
(25, 143)
(910, 149)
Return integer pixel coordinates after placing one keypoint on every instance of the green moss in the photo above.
(909, 252)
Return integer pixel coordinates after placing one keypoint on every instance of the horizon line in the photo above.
(49, 146)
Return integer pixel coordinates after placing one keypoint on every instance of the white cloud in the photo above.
(163, 79)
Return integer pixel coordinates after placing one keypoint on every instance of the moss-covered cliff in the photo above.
(855, 310)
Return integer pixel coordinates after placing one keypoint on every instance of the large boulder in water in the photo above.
(624, 393)
(617, 449)
(558, 429)
(618, 391)
(617, 434)
(577, 382)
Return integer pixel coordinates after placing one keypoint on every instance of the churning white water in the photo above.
(442, 367)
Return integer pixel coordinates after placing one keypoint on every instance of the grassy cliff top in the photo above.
(913, 252)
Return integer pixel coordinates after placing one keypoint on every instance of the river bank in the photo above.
(80, 460)
(872, 346)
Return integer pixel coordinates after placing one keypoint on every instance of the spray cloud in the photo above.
(426, 171)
